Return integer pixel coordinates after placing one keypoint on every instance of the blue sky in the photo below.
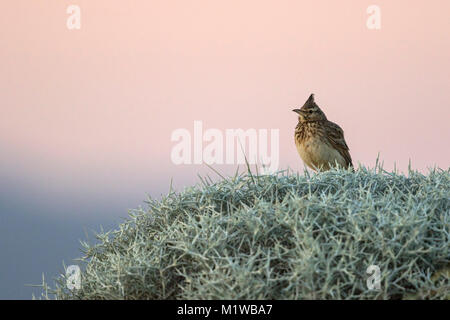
(38, 234)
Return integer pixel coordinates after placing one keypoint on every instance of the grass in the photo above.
(284, 236)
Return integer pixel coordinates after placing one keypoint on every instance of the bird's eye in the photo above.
(310, 111)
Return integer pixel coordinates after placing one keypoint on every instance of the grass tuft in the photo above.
(283, 236)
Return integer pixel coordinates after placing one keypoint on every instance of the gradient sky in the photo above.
(87, 115)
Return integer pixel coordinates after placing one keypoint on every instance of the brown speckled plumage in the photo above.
(320, 142)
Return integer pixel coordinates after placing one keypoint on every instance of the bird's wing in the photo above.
(335, 137)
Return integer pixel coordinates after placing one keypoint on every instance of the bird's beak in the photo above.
(297, 111)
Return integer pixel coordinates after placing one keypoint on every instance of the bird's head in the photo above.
(310, 111)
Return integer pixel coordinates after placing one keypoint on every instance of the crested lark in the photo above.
(320, 142)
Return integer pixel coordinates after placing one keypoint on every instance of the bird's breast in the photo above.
(317, 153)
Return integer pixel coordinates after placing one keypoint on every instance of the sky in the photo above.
(88, 114)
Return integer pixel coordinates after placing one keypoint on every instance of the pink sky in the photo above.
(94, 109)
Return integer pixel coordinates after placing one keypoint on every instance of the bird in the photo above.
(320, 142)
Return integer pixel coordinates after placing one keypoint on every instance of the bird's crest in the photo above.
(310, 103)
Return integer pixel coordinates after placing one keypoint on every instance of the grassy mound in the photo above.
(279, 236)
